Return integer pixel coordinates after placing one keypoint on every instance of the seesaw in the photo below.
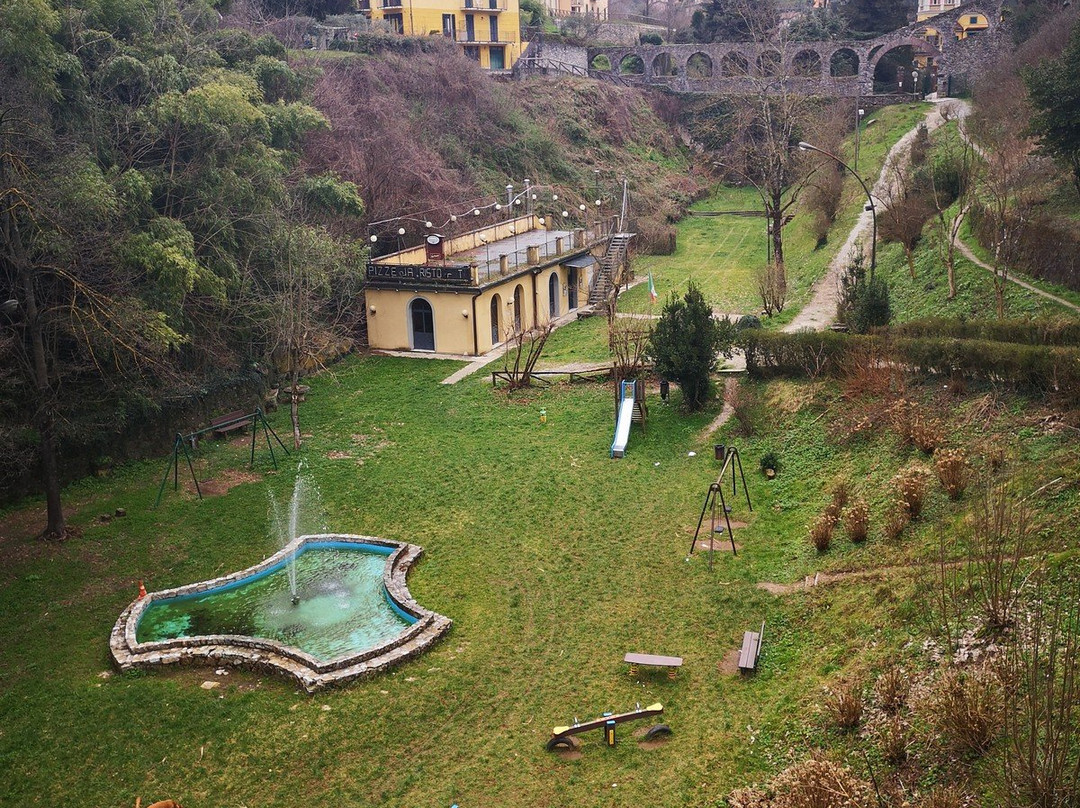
(563, 736)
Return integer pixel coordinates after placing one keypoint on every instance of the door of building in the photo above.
(497, 57)
(571, 288)
(423, 325)
(449, 26)
(553, 295)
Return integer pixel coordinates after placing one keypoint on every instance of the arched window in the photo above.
(496, 304)
(519, 302)
(553, 295)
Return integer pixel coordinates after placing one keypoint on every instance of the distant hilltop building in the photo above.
(969, 25)
(597, 9)
(488, 31)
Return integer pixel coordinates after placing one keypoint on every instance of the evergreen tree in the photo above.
(1054, 90)
(873, 17)
(687, 342)
(734, 20)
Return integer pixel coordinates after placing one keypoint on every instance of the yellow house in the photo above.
(468, 293)
(488, 31)
(966, 26)
(597, 9)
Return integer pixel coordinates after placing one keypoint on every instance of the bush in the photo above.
(966, 707)
(926, 433)
(820, 783)
(857, 520)
(895, 522)
(686, 343)
(821, 531)
(841, 492)
(844, 706)
(769, 460)
(650, 39)
(952, 470)
(893, 739)
(872, 308)
(891, 690)
(943, 797)
(747, 321)
(910, 485)
(747, 406)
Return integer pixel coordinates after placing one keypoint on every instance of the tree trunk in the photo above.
(294, 406)
(910, 253)
(44, 418)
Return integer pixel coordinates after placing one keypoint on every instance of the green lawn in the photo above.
(722, 254)
(552, 559)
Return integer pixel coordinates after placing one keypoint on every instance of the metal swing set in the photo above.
(717, 504)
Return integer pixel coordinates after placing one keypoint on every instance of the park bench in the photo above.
(230, 421)
(672, 663)
(751, 649)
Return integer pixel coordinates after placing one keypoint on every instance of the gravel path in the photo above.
(821, 310)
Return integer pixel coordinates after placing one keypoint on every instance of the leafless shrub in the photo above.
(772, 287)
(749, 797)
(867, 371)
(910, 486)
(895, 521)
(943, 797)
(841, 492)
(523, 350)
(966, 708)
(891, 690)
(953, 471)
(901, 417)
(820, 783)
(747, 406)
(857, 520)
(893, 739)
(926, 433)
(995, 458)
(844, 705)
(1001, 533)
(628, 340)
(821, 531)
(1042, 721)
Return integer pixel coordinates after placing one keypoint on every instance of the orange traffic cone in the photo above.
(142, 590)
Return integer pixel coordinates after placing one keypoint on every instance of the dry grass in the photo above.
(953, 471)
(820, 783)
(966, 708)
(844, 705)
(910, 486)
(821, 531)
(893, 740)
(891, 690)
(857, 520)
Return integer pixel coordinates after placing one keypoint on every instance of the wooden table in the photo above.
(672, 663)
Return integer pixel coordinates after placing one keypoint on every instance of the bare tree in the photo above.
(628, 341)
(523, 349)
(905, 212)
(952, 191)
(771, 282)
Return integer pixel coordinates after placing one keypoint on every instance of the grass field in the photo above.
(553, 561)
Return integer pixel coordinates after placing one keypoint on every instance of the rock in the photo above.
(210, 685)
(120, 512)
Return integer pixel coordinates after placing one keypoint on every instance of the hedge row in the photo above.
(1038, 368)
(1058, 331)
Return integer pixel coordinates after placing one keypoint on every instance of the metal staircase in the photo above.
(610, 267)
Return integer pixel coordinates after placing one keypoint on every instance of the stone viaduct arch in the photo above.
(837, 68)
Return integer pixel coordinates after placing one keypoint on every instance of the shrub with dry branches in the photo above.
(772, 287)
(747, 406)
(893, 738)
(749, 797)
(523, 349)
(891, 689)
(844, 705)
(857, 520)
(1001, 532)
(966, 708)
(953, 471)
(926, 433)
(943, 797)
(895, 521)
(910, 486)
(1042, 723)
(628, 341)
(821, 531)
(820, 783)
(840, 492)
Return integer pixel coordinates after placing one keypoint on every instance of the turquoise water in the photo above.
(343, 607)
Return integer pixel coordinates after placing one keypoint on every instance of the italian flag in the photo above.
(652, 289)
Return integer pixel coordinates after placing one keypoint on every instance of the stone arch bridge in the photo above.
(834, 68)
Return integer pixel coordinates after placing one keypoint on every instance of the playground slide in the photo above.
(622, 426)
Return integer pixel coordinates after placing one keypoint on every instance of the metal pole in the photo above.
(804, 146)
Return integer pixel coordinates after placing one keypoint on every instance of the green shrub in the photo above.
(650, 39)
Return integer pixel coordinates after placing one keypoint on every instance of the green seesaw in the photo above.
(563, 736)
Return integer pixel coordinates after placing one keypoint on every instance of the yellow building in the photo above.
(966, 26)
(597, 9)
(488, 31)
(469, 293)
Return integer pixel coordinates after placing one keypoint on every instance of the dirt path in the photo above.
(821, 310)
(969, 254)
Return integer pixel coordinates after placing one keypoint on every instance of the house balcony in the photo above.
(463, 39)
(483, 6)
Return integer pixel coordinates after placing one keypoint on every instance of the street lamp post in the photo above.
(804, 146)
(859, 112)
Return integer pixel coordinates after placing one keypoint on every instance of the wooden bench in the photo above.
(751, 649)
(230, 421)
(672, 663)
